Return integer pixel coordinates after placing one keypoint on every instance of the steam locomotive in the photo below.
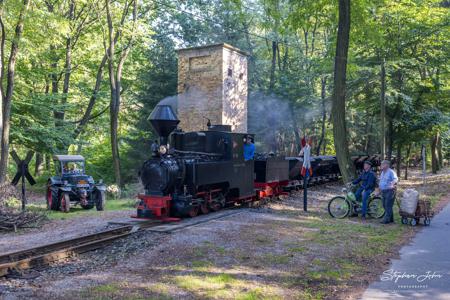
(205, 171)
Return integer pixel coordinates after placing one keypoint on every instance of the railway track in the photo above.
(46, 254)
(15, 262)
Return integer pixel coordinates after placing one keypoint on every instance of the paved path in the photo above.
(423, 270)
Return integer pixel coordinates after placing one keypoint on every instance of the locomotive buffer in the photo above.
(22, 173)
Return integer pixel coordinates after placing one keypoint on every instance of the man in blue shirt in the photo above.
(367, 179)
(249, 148)
(388, 181)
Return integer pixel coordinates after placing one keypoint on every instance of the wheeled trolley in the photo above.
(423, 211)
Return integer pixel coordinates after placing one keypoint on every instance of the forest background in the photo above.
(82, 76)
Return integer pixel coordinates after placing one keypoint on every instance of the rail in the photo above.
(43, 255)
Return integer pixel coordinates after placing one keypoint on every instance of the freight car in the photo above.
(205, 171)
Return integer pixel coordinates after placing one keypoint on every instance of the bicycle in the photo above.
(340, 207)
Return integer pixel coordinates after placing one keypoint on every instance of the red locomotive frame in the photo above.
(160, 206)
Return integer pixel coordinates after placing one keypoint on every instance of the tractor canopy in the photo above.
(69, 165)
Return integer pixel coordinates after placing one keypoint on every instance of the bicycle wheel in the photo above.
(339, 207)
(376, 209)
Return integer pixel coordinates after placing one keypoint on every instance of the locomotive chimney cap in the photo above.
(163, 120)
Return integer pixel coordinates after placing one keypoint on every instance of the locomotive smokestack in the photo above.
(164, 121)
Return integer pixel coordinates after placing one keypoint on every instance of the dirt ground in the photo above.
(277, 251)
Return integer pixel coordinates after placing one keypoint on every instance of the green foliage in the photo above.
(411, 36)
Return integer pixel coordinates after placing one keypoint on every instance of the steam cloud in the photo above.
(271, 118)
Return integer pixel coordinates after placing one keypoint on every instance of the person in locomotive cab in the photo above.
(249, 148)
(368, 180)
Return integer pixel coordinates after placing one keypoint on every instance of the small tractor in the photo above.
(71, 186)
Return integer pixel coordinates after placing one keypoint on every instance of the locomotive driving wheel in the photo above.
(204, 208)
(215, 206)
(193, 212)
(217, 203)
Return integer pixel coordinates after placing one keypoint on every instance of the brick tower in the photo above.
(212, 83)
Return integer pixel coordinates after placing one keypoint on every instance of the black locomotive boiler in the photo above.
(192, 172)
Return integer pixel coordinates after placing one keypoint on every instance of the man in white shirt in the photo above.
(388, 181)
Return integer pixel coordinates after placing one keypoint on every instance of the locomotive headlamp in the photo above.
(162, 149)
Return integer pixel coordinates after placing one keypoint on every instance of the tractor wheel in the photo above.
(52, 199)
(65, 202)
(100, 201)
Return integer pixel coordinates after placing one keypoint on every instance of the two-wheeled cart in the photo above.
(423, 211)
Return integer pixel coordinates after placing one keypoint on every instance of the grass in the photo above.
(223, 286)
(111, 205)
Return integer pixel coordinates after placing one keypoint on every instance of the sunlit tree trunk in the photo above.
(399, 159)
(87, 114)
(10, 77)
(383, 109)
(390, 139)
(339, 92)
(439, 153)
(115, 77)
(323, 85)
(434, 154)
(273, 66)
(2, 59)
(38, 164)
(48, 161)
(407, 158)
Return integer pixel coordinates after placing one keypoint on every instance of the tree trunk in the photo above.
(9, 92)
(324, 113)
(115, 100)
(408, 153)
(87, 114)
(38, 164)
(2, 59)
(367, 134)
(399, 159)
(383, 109)
(439, 153)
(48, 159)
(339, 92)
(390, 138)
(273, 66)
(298, 139)
(434, 155)
(115, 77)
(67, 64)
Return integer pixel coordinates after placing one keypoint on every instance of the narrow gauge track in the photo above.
(46, 254)
(43, 255)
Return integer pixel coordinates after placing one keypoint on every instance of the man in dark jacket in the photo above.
(368, 180)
